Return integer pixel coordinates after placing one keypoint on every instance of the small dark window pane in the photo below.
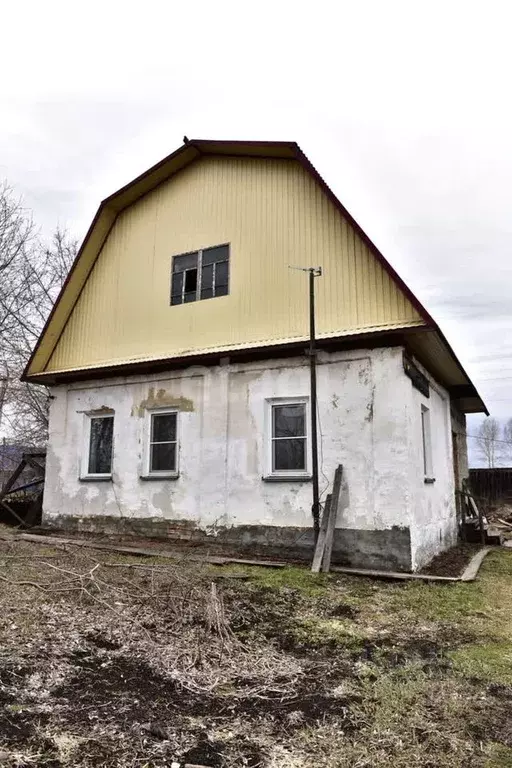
(100, 446)
(207, 282)
(187, 261)
(163, 457)
(289, 454)
(177, 288)
(219, 253)
(221, 278)
(163, 427)
(190, 280)
(289, 421)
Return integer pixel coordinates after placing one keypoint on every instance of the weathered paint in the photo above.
(162, 399)
(273, 214)
(367, 412)
(432, 504)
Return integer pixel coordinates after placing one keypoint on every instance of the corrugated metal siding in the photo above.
(273, 214)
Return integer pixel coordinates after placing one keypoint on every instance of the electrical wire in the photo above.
(321, 452)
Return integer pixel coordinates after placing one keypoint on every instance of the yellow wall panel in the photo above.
(273, 214)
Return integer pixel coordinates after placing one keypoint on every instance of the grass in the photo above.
(105, 664)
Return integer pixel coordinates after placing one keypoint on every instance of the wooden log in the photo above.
(12, 512)
(320, 544)
(34, 464)
(12, 479)
(331, 524)
(168, 554)
(24, 487)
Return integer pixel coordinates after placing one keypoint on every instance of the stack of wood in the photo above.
(474, 525)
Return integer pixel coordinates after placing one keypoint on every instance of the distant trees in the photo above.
(31, 275)
(494, 442)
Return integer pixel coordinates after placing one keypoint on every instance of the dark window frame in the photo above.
(216, 290)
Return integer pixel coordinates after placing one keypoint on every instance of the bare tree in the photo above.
(507, 441)
(31, 275)
(489, 442)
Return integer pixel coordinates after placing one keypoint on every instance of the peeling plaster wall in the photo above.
(365, 423)
(433, 504)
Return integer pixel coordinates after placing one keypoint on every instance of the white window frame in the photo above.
(86, 447)
(285, 474)
(162, 473)
(426, 440)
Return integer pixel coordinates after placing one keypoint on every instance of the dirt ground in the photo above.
(110, 660)
(453, 561)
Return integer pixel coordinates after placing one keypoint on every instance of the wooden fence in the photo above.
(491, 487)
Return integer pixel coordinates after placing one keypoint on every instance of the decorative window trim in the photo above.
(292, 475)
(147, 472)
(85, 475)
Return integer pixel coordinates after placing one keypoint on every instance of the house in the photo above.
(176, 360)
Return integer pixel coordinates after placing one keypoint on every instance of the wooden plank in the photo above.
(38, 481)
(479, 513)
(331, 523)
(393, 575)
(320, 545)
(12, 512)
(34, 464)
(176, 555)
(474, 565)
(12, 479)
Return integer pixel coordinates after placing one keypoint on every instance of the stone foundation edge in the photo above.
(387, 550)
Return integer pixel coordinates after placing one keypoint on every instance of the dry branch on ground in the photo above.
(112, 661)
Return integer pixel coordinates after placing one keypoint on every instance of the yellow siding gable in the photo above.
(273, 214)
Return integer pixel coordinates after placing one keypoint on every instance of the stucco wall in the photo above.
(432, 504)
(367, 423)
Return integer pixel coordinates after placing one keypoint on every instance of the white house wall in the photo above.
(365, 423)
(433, 503)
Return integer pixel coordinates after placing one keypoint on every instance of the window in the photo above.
(427, 443)
(99, 446)
(163, 443)
(288, 448)
(203, 274)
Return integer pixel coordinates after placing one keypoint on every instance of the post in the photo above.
(315, 508)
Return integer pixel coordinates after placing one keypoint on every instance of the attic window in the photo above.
(199, 275)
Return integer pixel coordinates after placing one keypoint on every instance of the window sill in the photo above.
(162, 476)
(286, 478)
(96, 479)
(429, 480)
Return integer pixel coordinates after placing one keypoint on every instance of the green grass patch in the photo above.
(440, 601)
(290, 578)
(327, 632)
(491, 662)
(499, 757)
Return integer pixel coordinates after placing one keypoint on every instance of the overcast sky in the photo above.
(403, 107)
